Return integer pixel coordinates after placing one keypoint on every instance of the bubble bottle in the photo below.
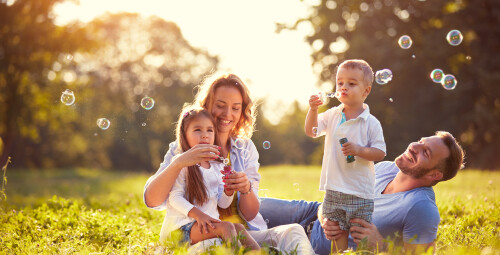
(349, 158)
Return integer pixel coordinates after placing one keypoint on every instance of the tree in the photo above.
(411, 105)
(29, 44)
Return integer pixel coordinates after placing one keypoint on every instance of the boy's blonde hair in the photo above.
(361, 65)
(205, 98)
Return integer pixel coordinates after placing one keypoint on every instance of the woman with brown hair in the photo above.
(227, 98)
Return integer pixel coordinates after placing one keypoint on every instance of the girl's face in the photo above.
(226, 108)
(200, 131)
(352, 87)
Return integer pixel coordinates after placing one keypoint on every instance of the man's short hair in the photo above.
(455, 161)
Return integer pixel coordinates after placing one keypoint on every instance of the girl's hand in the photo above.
(199, 153)
(237, 181)
(204, 222)
(314, 102)
(350, 148)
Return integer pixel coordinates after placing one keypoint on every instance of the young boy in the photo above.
(347, 172)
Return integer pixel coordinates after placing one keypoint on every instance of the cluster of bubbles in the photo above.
(103, 123)
(405, 42)
(383, 76)
(68, 97)
(147, 103)
(448, 81)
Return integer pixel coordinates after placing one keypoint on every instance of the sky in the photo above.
(276, 67)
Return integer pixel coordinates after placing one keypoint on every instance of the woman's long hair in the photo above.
(196, 191)
(205, 98)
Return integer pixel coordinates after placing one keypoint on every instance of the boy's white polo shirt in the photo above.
(356, 178)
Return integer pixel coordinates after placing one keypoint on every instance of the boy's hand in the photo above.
(204, 221)
(314, 102)
(350, 148)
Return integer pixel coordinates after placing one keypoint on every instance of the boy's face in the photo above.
(352, 87)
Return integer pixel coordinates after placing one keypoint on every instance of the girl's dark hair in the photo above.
(196, 191)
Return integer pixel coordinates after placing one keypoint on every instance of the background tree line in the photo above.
(117, 59)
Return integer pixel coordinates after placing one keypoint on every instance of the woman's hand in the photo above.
(199, 153)
(332, 229)
(237, 181)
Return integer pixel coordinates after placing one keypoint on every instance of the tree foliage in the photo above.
(110, 64)
(411, 105)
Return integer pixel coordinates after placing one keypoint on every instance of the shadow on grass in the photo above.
(31, 187)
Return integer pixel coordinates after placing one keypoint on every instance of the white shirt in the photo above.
(178, 206)
(356, 178)
(244, 159)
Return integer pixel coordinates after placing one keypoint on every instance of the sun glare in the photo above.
(276, 66)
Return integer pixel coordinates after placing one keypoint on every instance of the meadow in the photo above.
(89, 211)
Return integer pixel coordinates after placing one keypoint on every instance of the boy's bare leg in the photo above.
(224, 230)
(248, 241)
(340, 244)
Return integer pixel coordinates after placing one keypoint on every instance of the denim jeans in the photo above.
(278, 212)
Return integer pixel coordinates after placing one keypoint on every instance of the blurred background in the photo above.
(113, 54)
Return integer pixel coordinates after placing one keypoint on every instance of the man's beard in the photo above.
(414, 173)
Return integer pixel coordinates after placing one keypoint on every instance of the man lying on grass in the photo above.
(405, 206)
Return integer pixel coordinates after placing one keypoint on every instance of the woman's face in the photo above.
(226, 108)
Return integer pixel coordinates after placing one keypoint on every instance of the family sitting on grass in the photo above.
(365, 203)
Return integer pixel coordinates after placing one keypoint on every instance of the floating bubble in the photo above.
(390, 100)
(468, 57)
(239, 143)
(405, 42)
(144, 124)
(147, 103)
(437, 75)
(103, 123)
(315, 131)
(332, 95)
(296, 187)
(413, 56)
(383, 76)
(95, 134)
(267, 221)
(266, 145)
(67, 97)
(449, 82)
(454, 37)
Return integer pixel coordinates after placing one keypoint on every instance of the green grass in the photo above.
(90, 211)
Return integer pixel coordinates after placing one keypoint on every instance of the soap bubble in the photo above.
(263, 192)
(449, 82)
(383, 76)
(332, 95)
(103, 123)
(405, 42)
(67, 97)
(315, 131)
(266, 145)
(147, 103)
(239, 143)
(454, 37)
(437, 75)
(296, 187)
(144, 124)
(390, 100)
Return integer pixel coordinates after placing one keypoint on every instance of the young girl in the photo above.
(192, 204)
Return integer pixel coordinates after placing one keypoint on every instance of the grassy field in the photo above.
(89, 211)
